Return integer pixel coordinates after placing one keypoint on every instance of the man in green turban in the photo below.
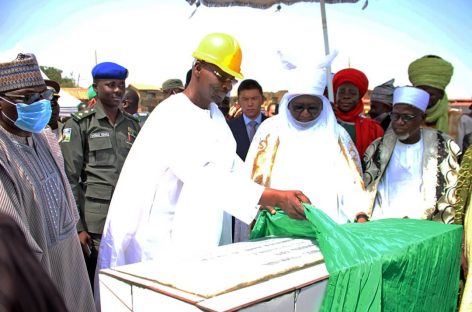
(432, 74)
(92, 97)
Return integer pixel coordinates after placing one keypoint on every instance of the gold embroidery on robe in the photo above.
(264, 161)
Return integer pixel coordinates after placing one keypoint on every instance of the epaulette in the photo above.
(130, 116)
(83, 113)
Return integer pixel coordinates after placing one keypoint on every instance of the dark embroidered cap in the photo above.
(21, 73)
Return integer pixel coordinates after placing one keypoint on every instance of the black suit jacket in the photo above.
(238, 127)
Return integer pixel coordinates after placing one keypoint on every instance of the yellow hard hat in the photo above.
(221, 50)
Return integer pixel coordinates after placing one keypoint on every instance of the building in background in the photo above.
(149, 96)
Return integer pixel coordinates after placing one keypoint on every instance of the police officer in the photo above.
(95, 143)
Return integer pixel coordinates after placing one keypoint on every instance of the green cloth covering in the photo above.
(384, 265)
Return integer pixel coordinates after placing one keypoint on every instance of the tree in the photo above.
(56, 75)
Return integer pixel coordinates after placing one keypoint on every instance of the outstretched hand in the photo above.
(289, 201)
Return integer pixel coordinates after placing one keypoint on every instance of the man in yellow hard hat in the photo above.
(185, 169)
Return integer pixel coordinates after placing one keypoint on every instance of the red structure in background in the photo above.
(462, 104)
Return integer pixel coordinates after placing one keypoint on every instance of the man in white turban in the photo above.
(411, 172)
(304, 147)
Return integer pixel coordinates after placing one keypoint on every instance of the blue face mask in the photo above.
(31, 117)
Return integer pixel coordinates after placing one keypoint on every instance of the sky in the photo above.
(155, 39)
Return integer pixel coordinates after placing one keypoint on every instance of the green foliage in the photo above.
(56, 75)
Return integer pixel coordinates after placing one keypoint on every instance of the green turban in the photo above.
(434, 72)
(430, 71)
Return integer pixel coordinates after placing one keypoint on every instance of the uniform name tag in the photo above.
(99, 135)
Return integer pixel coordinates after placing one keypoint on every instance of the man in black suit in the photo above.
(250, 98)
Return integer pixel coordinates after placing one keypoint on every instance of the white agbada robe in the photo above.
(400, 192)
(310, 158)
(179, 178)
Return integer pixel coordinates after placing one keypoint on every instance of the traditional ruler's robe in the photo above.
(434, 195)
(464, 215)
(319, 158)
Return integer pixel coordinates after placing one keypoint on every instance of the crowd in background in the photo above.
(79, 190)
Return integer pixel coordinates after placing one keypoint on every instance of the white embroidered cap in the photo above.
(411, 95)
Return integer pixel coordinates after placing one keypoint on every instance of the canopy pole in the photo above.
(326, 46)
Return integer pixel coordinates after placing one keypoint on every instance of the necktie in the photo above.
(251, 129)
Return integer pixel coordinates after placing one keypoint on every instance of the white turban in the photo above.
(412, 96)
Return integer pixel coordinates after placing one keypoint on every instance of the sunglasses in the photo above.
(404, 117)
(299, 108)
(32, 97)
(222, 79)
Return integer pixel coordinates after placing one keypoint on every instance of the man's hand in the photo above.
(288, 201)
(86, 243)
(270, 209)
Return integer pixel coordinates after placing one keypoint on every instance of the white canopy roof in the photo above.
(67, 102)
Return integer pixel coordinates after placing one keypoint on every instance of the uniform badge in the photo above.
(131, 135)
(66, 135)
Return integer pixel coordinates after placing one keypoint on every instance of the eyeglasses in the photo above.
(32, 97)
(299, 108)
(404, 117)
(222, 79)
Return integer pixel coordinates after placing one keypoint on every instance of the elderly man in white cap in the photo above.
(411, 172)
